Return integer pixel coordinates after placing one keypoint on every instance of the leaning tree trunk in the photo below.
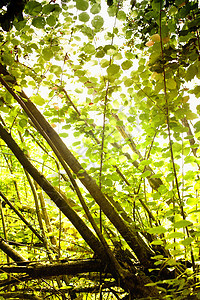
(130, 278)
(133, 239)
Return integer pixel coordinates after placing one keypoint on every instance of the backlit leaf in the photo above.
(127, 64)
(157, 230)
(37, 99)
(82, 4)
(51, 21)
(113, 69)
(47, 54)
(38, 22)
(121, 15)
(97, 22)
(182, 223)
(89, 48)
(33, 8)
(95, 9)
(187, 241)
(191, 72)
(84, 17)
(171, 84)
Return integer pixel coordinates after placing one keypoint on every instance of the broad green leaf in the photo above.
(84, 17)
(192, 201)
(121, 15)
(87, 31)
(96, 8)
(97, 22)
(151, 284)
(182, 223)
(8, 59)
(37, 99)
(196, 91)
(170, 177)
(197, 126)
(63, 134)
(171, 84)
(108, 182)
(127, 64)
(89, 49)
(57, 70)
(33, 8)
(38, 22)
(82, 4)
(23, 123)
(128, 82)
(113, 69)
(175, 235)
(48, 8)
(51, 21)
(191, 72)
(157, 242)
(47, 54)
(129, 55)
(157, 230)
(187, 241)
(110, 49)
(146, 174)
(191, 115)
(76, 143)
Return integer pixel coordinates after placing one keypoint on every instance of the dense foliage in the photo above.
(99, 150)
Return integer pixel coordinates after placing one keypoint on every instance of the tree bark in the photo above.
(12, 253)
(56, 269)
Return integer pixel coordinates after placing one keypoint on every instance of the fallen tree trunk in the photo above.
(37, 270)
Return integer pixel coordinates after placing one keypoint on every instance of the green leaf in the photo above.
(76, 143)
(95, 9)
(37, 99)
(128, 82)
(84, 17)
(196, 91)
(23, 123)
(157, 230)
(47, 54)
(182, 223)
(89, 49)
(48, 8)
(175, 235)
(82, 4)
(121, 15)
(51, 21)
(146, 174)
(187, 241)
(87, 31)
(127, 64)
(57, 70)
(33, 8)
(171, 84)
(197, 126)
(55, 8)
(192, 71)
(97, 22)
(108, 182)
(190, 115)
(113, 69)
(38, 22)
(63, 134)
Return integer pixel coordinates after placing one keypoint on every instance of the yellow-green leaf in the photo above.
(37, 99)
